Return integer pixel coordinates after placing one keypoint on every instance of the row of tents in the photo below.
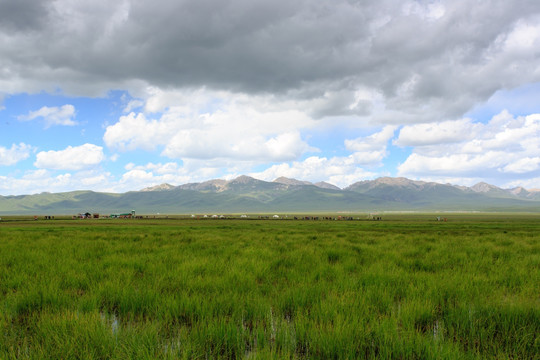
(88, 215)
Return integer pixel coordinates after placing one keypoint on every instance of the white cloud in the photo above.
(242, 128)
(42, 180)
(133, 104)
(340, 171)
(71, 158)
(35, 174)
(14, 154)
(455, 164)
(532, 183)
(242, 132)
(134, 131)
(369, 157)
(53, 115)
(372, 149)
(91, 179)
(523, 165)
(524, 37)
(436, 133)
(375, 141)
(140, 176)
(505, 147)
(285, 146)
(236, 138)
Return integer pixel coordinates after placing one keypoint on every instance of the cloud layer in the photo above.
(318, 90)
(422, 59)
(242, 128)
(71, 158)
(52, 115)
(503, 148)
(13, 155)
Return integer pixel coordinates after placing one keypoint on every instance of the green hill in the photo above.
(248, 195)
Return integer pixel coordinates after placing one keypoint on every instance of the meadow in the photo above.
(406, 287)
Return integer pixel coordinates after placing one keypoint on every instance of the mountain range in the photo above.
(248, 195)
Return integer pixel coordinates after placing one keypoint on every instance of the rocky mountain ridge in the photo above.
(245, 194)
(364, 186)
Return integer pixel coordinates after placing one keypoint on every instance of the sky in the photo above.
(120, 95)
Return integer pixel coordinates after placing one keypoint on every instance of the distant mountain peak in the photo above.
(483, 187)
(243, 179)
(160, 187)
(397, 181)
(400, 182)
(289, 181)
(247, 194)
(325, 185)
(519, 191)
(216, 185)
(385, 179)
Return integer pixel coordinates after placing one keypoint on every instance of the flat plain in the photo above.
(406, 287)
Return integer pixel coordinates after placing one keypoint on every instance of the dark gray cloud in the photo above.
(22, 15)
(427, 59)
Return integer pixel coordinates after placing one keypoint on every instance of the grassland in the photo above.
(407, 287)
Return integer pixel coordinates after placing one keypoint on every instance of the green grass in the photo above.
(407, 287)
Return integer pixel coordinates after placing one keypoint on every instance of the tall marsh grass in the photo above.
(231, 289)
